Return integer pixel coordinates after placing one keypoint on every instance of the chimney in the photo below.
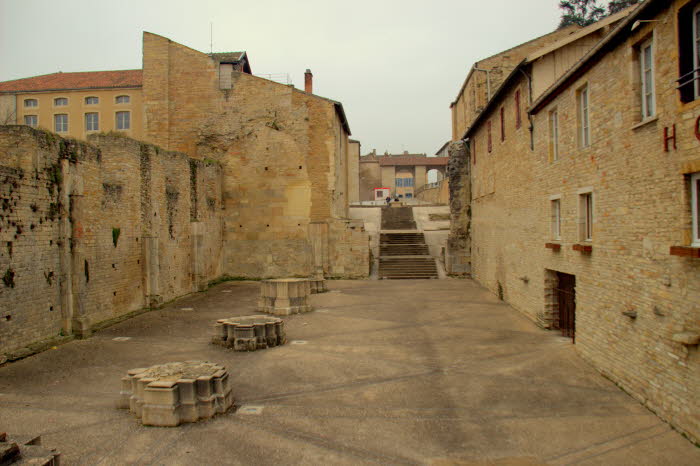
(308, 81)
(405, 152)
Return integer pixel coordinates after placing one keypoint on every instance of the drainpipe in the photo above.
(529, 117)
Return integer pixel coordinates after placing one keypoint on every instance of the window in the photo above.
(31, 120)
(695, 207)
(123, 120)
(689, 51)
(92, 122)
(123, 99)
(584, 137)
(31, 103)
(60, 102)
(553, 135)
(503, 125)
(518, 118)
(60, 123)
(92, 100)
(399, 182)
(408, 182)
(555, 207)
(646, 64)
(409, 195)
(488, 131)
(586, 216)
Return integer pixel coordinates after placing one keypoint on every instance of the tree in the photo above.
(580, 12)
(618, 5)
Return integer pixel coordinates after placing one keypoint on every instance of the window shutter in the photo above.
(685, 53)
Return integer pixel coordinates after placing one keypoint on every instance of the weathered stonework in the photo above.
(23, 449)
(250, 333)
(284, 296)
(458, 251)
(636, 303)
(177, 392)
(284, 154)
(93, 232)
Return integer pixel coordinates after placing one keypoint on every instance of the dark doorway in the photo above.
(566, 299)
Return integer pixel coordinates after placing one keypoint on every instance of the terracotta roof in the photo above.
(81, 80)
(404, 160)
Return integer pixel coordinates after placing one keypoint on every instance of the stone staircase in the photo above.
(403, 254)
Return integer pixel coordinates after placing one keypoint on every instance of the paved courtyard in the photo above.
(392, 372)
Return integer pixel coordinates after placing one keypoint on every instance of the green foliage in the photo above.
(9, 278)
(580, 12)
(618, 5)
(115, 235)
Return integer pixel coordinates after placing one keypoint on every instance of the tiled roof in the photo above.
(81, 80)
(409, 160)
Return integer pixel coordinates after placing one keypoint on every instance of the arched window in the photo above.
(60, 101)
(31, 103)
(123, 99)
(92, 100)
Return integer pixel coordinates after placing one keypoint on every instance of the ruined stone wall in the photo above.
(284, 154)
(101, 229)
(30, 300)
(458, 251)
(633, 298)
(370, 178)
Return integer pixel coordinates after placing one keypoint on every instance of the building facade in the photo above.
(76, 104)
(584, 205)
(403, 174)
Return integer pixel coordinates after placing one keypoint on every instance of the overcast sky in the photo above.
(395, 65)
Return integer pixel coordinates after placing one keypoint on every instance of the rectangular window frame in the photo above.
(399, 182)
(488, 130)
(92, 124)
(555, 217)
(583, 103)
(586, 206)
(695, 208)
(31, 103)
(34, 123)
(647, 88)
(60, 122)
(60, 102)
(503, 124)
(122, 124)
(553, 118)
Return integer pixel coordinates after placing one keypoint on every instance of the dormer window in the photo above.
(92, 100)
(122, 99)
(60, 102)
(31, 103)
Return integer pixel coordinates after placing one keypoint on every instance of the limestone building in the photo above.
(402, 174)
(583, 203)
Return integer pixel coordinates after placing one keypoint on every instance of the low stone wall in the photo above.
(458, 251)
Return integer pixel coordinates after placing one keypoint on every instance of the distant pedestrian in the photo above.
(388, 200)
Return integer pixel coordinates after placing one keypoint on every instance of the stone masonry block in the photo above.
(177, 392)
(284, 296)
(248, 333)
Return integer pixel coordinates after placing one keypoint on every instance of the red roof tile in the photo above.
(428, 161)
(82, 80)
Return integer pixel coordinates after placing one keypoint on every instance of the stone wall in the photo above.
(439, 194)
(458, 251)
(353, 171)
(633, 299)
(284, 154)
(94, 231)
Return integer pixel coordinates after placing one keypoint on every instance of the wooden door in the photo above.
(566, 297)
